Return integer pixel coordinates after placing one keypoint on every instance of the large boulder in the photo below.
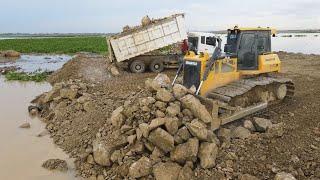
(284, 176)
(166, 171)
(101, 153)
(162, 139)
(207, 154)
(140, 168)
(185, 152)
(102, 149)
(198, 129)
(261, 124)
(164, 95)
(194, 105)
(163, 80)
(179, 91)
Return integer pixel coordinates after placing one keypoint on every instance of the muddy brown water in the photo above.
(21, 151)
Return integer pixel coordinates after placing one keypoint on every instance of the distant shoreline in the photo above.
(108, 34)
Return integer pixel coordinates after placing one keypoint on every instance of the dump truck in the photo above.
(137, 48)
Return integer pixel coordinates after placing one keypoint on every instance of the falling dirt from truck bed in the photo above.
(76, 119)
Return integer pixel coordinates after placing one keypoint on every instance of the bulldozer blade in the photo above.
(244, 112)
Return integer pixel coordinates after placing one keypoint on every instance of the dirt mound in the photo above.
(86, 68)
(102, 125)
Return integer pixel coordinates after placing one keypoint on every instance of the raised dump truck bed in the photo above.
(129, 45)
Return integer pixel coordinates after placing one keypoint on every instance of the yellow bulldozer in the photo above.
(240, 82)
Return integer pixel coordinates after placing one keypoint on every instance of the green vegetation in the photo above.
(22, 76)
(59, 45)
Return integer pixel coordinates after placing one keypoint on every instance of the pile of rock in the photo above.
(165, 134)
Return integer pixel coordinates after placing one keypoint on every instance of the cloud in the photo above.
(111, 16)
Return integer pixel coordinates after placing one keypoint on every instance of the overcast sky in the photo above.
(84, 16)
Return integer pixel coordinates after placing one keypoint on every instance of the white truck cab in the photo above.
(202, 42)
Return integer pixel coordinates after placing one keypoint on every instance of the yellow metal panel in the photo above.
(267, 63)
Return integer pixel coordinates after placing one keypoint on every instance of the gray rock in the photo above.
(166, 171)
(117, 118)
(144, 128)
(68, 93)
(162, 139)
(164, 95)
(172, 125)
(163, 80)
(240, 132)
(179, 91)
(140, 168)
(101, 153)
(25, 125)
(207, 154)
(159, 114)
(114, 71)
(102, 149)
(146, 101)
(55, 164)
(284, 176)
(184, 133)
(198, 129)
(186, 173)
(161, 105)
(194, 105)
(185, 152)
(249, 125)
(155, 123)
(152, 85)
(173, 110)
(261, 124)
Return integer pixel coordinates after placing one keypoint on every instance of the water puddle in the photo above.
(21, 151)
(32, 63)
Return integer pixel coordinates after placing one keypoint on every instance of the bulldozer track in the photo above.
(238, 88)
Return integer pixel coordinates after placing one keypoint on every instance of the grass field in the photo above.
(59, 45)
(22, 76)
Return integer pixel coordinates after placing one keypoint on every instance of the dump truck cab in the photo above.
(202, 42)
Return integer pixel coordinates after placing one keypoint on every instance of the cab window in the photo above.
(203, 40)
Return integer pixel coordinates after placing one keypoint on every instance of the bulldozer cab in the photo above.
(247, 44)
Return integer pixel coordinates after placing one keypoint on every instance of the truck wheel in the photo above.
(156, 66)
(137, 66)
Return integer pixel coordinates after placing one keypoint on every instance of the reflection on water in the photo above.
(31, 63)
(21, 152)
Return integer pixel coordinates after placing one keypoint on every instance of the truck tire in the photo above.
(137, 66)
(156, 66)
